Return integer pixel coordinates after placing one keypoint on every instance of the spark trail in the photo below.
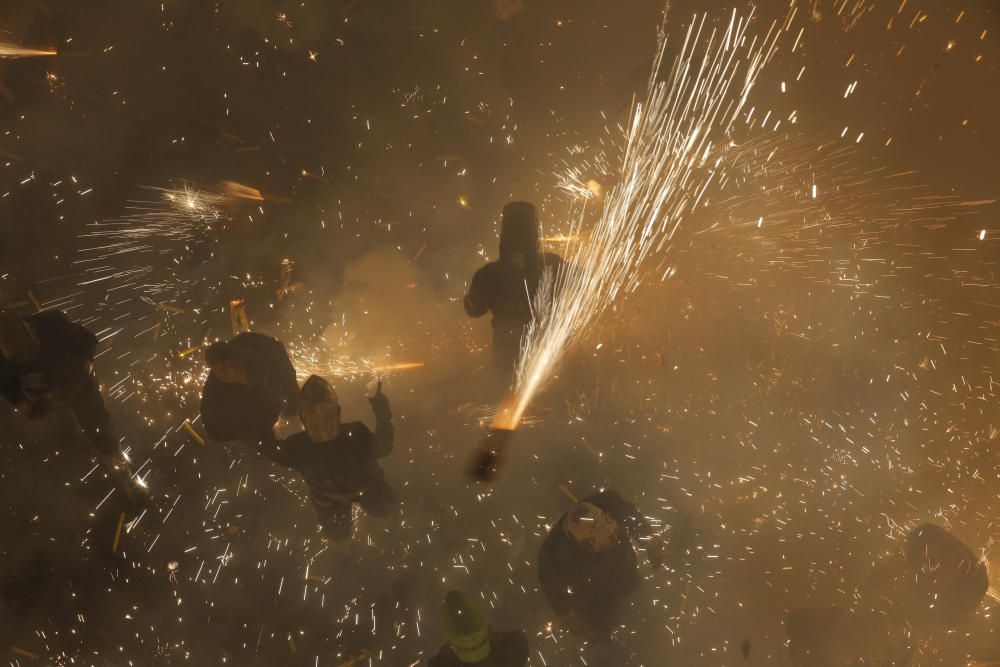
(176, 214)
(675, 148)
(8, 50)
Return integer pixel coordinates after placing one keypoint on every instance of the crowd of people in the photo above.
(588, 566)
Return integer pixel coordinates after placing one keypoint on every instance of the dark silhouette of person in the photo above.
(507, 286)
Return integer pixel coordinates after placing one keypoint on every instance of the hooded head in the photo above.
(229, 363)
(18, 341)
(319, 409)
(520, 241)
(466, 626)
(591, 527)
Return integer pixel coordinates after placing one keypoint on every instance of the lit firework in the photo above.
(674, 146)
(236, 190)
(8, 50)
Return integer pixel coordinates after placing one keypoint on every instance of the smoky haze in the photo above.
(813, 380)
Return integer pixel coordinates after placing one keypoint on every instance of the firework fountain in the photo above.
(675, 148)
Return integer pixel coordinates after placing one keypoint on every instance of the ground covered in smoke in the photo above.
(813, 379)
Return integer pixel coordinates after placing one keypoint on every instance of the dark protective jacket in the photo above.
(61, 372)
(66, 350)
(232, 411)
(503, 290)
(339, 470)
(598, 581)
(508, 649)
(946, 581)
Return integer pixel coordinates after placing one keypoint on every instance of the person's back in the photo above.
(53, 360)
(587, 564)
(251, 383)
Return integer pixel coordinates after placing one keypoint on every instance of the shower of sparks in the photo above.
(675, 147)
(176, 214)
(316, 360)
(844, 272)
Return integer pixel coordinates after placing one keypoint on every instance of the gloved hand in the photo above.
(380, 405)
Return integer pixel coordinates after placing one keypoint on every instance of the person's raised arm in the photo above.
(285, 380)
(477, 301)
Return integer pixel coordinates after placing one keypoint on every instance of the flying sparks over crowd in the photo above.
(772, 332)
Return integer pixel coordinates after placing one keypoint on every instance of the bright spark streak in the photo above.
(673, 146)
(8, 50)
(235, 190)
(313, 360)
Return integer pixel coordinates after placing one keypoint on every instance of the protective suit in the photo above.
(587, 565)
(945, 581)
(47, 361)
(471, 641)
(339, 462)
(503, 287)
(252, 383)
(931, 586)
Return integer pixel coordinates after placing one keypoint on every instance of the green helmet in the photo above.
(466, 626)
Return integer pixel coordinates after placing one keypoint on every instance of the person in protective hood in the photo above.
(339, 462)
(587, 565)
(471, 640)
(47, 361)
(505, 287)
(251, 384)
(934, 583)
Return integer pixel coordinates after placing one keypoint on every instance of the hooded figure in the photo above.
(471, 641)
(505, 287)
(945, 581)
(587, 565)
(932, 584)
(252, 383)
(339, 462)
(46, 360)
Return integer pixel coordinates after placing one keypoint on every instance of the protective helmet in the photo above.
(319, 409)
(519, 231)
(591, 527)
(945, 581)
(231, 363)
(466, 626)
(18, 341)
